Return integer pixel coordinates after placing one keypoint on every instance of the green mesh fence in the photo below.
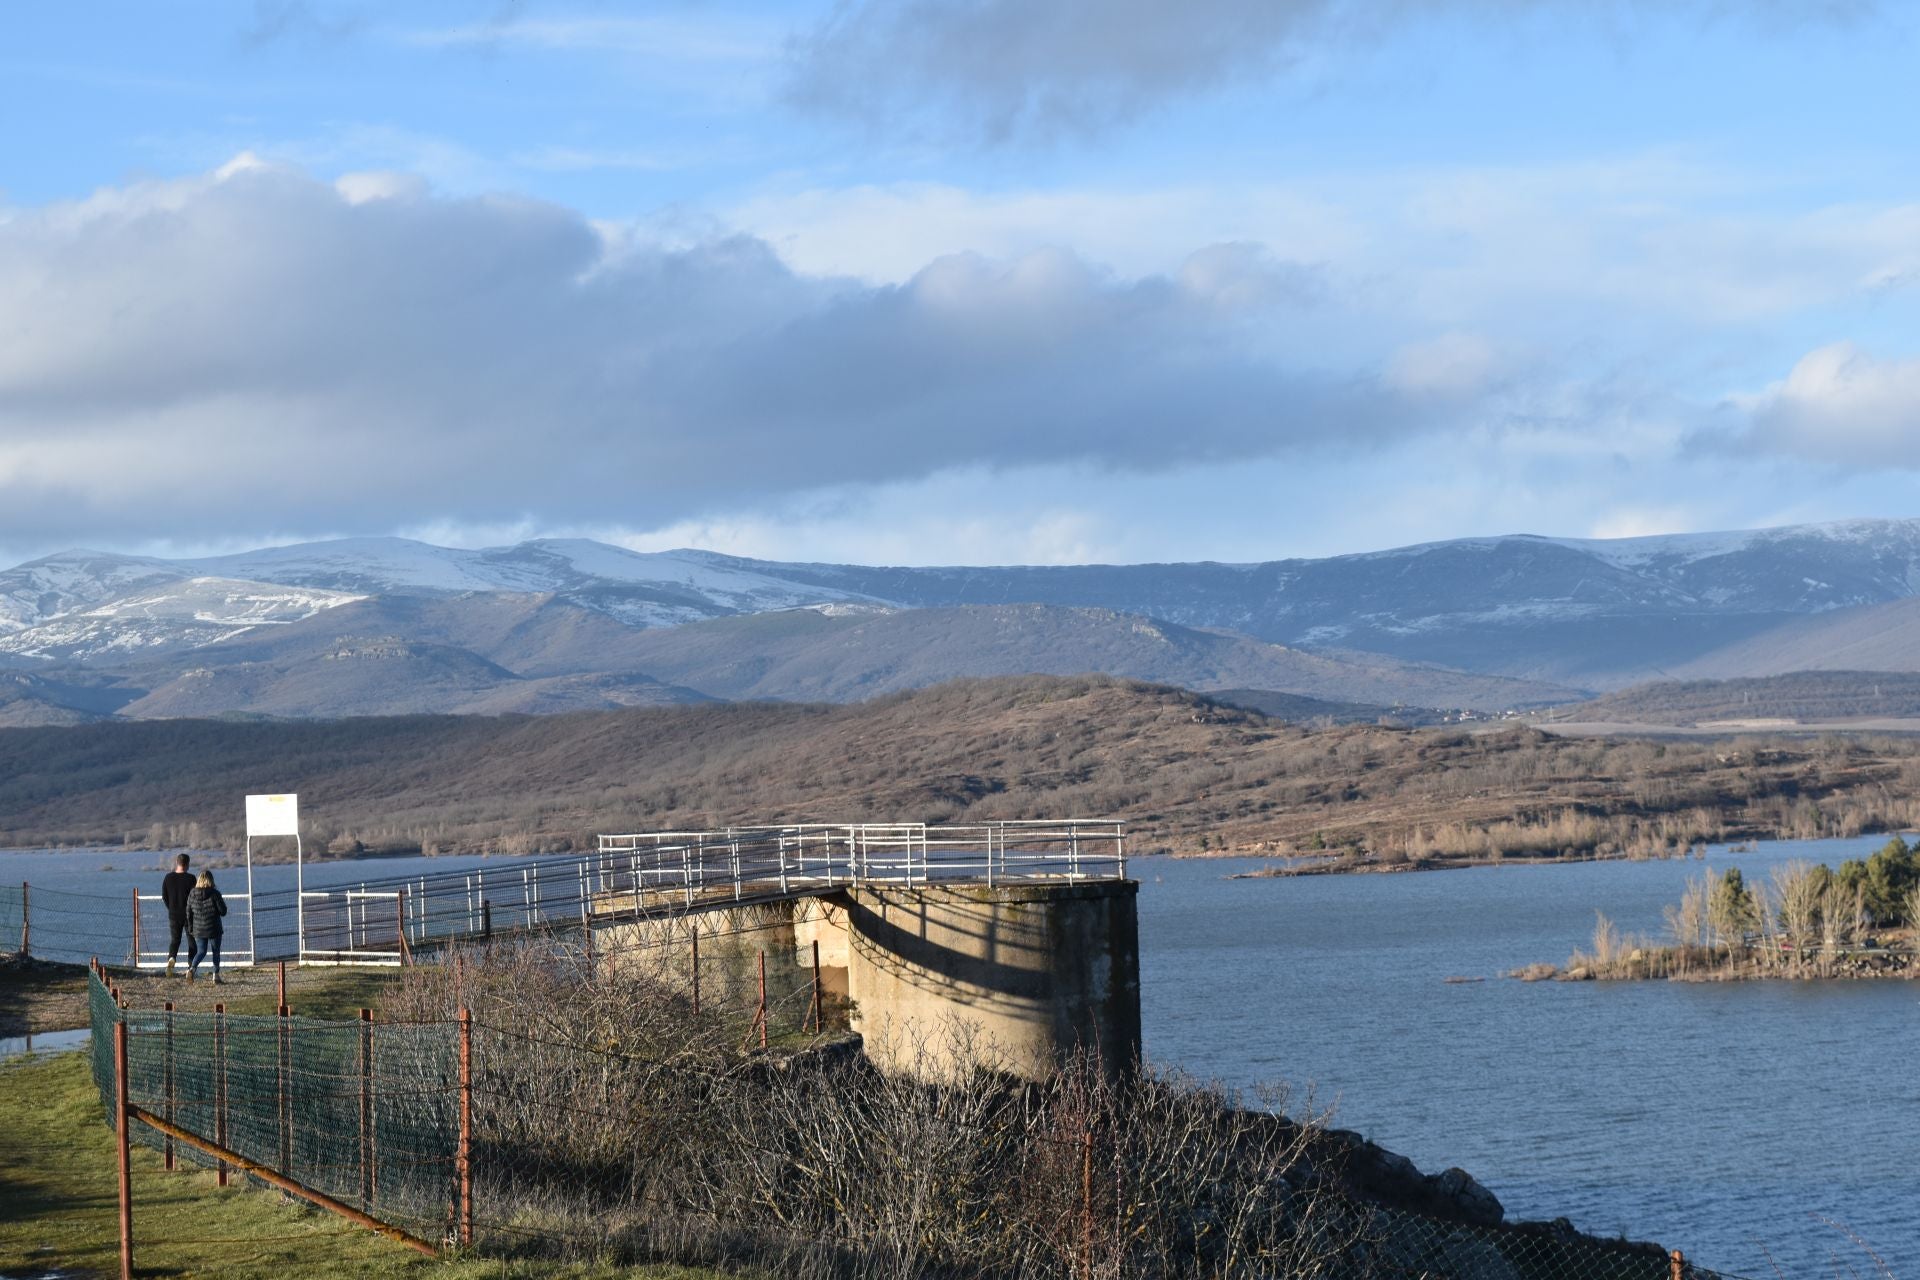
(362, 1112)
(643, 1132)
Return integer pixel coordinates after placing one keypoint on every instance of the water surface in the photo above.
(1723, 1119)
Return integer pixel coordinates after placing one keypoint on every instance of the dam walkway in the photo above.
(663, 874)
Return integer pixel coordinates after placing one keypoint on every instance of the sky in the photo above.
(967, 281)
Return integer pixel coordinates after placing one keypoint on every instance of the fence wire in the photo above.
(359, 1111)
(636, 1131)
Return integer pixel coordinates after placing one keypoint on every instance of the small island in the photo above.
(1806, 920)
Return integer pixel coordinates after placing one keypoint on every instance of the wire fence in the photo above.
(573, 1108)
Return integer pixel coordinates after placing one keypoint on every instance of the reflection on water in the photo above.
(1723, 1119)
(45, 1042)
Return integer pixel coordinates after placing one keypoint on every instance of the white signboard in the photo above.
(273, 816)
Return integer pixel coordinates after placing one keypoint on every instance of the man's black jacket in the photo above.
(174, 890)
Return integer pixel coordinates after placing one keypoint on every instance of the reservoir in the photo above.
(1747, 1123)
(1752, 1125)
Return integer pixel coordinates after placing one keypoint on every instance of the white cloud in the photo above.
(1451, 366)
(1841, 405)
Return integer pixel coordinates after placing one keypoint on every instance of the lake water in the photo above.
(1723, 1119)
(1733, 1121)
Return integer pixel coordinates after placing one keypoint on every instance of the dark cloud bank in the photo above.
(256, 341)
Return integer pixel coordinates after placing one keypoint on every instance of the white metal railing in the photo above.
(654, 872)
(152, 931)
(352, 926)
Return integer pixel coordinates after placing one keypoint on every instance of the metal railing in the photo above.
(152, 931)
(676, 872)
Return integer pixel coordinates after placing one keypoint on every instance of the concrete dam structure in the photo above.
(1012, 949)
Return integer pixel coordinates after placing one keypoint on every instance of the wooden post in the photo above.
(763, 997)
(366, 1110)
(463, 1156)
(696, 970)
(400, 919)
(282, 1001)
(1678, 1263)
(816, 986)
(26, 919)
(123, 1117)
(166, 1078)
(220, 1085)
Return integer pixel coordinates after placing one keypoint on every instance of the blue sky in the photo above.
(959, 282)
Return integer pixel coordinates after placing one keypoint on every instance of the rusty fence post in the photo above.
(696, 970)
(366, 1110)
(463, 1155)
(816, 986)
(166, 1080)
(283, 1075)
(123, 1117)
(26, 919)
(220, 1085)
(1086, 1203)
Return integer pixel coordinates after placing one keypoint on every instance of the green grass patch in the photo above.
(59, 1206)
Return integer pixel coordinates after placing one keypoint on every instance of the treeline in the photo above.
(1804, 920)
(1188, 773)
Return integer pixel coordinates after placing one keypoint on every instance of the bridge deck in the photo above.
(657, 874)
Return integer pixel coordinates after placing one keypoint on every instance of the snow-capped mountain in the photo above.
(41, 589)
(648, 589)
(182, 613)
(1579, 613)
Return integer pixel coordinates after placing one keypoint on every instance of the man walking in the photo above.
(173, 891)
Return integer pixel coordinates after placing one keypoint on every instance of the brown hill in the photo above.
(1189, 773)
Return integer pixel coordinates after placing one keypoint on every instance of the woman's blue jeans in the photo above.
(202, 948)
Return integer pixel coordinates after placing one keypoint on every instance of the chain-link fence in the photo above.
(599, 1116)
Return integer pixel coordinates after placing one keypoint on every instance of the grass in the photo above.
(59, 1207)
(39, 995)
(43, 996)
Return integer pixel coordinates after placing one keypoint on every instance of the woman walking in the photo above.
(205, 906)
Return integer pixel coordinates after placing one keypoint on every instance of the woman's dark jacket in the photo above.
(204, 909)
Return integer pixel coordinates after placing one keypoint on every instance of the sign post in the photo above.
(276, 815)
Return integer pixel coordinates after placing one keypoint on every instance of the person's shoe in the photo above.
(191, 975)
(169, 966)
(216, 979)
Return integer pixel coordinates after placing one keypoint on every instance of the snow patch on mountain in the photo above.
(41, 589)
(178, 615)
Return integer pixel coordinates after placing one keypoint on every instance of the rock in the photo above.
(1471, 1201)
(1579, 973)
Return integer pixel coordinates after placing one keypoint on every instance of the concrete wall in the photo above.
(1019, 975)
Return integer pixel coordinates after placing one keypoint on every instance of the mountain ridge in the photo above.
(1438, 624)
